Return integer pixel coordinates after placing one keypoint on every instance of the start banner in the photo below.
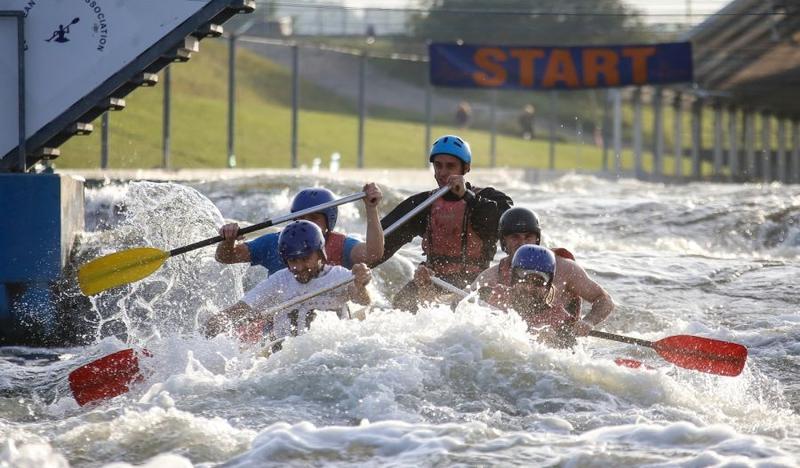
(542, 68)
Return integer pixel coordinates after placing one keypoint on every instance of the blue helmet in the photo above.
(534, 259)
(299, 240)
(310, 197)
(452, 145)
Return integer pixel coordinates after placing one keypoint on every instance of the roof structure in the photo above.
(749, 53)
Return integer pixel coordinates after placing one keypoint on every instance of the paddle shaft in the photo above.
(299, 299)
(271, 222)
(621, 339)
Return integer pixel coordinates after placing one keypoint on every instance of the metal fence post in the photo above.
(733, 146)
(165, 143)
(493, 119)
(104, 128)
(637, 132)
(428, 115)
(697, 137)
(658, 132)
(766, 147)
(553, 118)
(677, 137)
(231, 100)
(362, 105)
(617, 96)
(783, 173)
(717, 139)
(295, 102)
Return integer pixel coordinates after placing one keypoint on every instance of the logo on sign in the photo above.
(60, 34)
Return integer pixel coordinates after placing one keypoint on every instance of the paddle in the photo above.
(690, 352)
(111, 375)
(134, 264)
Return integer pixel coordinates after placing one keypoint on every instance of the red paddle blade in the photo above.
(703, 354)
(632, 363)
(104, 378)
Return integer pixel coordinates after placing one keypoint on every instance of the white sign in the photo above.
(73, 46)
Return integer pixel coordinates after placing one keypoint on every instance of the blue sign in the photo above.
(521, 67)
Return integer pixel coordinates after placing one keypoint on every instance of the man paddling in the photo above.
(301, 246)
(540, 287)
(459, 231)
(520, 226)
(339, 248)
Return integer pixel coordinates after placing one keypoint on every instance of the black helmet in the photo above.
(517, 220)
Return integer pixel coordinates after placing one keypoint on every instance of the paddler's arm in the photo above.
(486, 207)
(371, 251)
(221, 321)
(358, 290)
(404, 234)
(229, 251)
(602, 304)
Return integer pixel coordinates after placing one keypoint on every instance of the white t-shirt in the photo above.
(282, 286)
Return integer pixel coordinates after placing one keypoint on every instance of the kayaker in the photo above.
(301, 247)
(541, 286)
(340, 249)
(459, 231)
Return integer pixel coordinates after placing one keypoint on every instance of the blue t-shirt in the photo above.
(264, 252)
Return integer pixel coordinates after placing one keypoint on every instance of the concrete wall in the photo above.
(39, 216)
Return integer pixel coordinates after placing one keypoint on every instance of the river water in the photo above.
(436, 388)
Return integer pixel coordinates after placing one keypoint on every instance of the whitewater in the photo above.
(442, 387)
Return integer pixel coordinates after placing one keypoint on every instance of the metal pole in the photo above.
(637, 132)
(362, 106)
(783, 174)
(766, 147)
(552, 163)
(733, 143)
(795, 151)
(231, 100)
(677, 137)
(493, 139)
(428, 115)
(617, 96)
(750, 144)
(718, 139)
(295, 101)
(165, 142)
(605, 127)
(697, 137)
(658, 132)
(104, 128)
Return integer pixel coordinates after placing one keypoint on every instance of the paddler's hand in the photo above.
(582, 328)
(422, 277)
(458, 185)
(361, 275)
(374, 195)
(230, 232)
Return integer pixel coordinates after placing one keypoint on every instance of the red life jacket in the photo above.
(334, 248)
(450, 243)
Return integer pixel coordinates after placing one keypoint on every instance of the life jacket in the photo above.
(501, 295)
(450, 243)
(572, 304)
(334, 248)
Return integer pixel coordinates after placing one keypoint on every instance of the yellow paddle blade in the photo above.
(119, 268)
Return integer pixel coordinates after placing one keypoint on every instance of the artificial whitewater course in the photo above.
(438, 388)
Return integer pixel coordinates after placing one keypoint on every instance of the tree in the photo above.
(525, 22)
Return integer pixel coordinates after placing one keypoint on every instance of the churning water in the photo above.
(435, 388)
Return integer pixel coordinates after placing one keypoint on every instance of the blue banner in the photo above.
(541, 68)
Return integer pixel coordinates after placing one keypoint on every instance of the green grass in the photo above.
(327, 124)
